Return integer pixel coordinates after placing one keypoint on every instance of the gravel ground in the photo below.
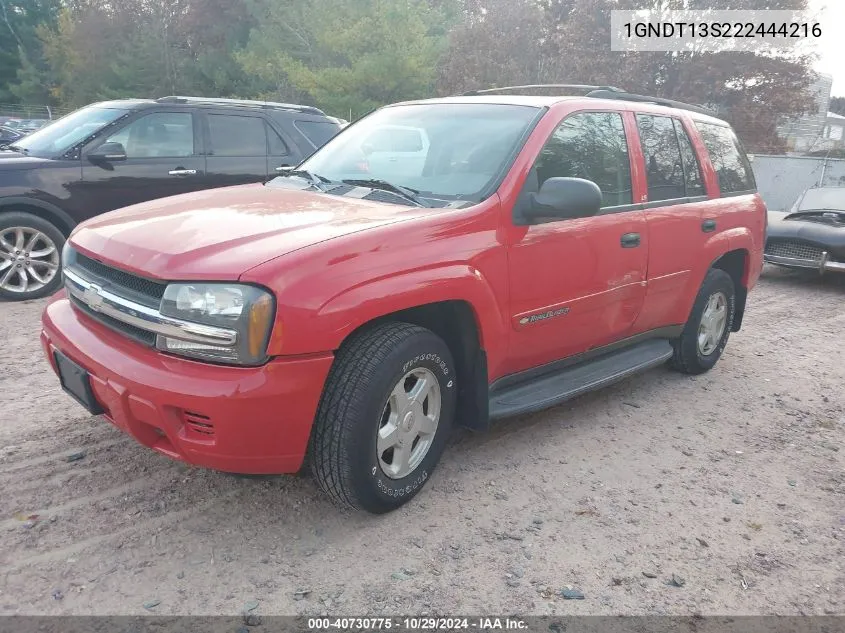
(731, 485)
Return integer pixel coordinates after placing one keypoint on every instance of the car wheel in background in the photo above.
(30, 256)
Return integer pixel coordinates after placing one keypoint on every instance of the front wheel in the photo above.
(30, 256)
(706, 332)
(384, 418)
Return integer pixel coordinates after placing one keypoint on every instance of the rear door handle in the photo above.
(708, 226)
(630, 240)
(183, 172)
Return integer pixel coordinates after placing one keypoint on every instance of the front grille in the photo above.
(147, 291)
(794, 249)
(141, 336)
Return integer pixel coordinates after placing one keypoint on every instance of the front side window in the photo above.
(231, 135)
(663, 164)
(446, 151)
(590, 145)
(157, 135)
(729, 160)
(61, 135)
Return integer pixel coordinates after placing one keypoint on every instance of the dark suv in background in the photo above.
(118, 153)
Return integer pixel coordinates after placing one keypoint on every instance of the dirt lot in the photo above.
(733, 482)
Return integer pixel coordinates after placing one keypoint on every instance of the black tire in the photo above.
(32, 222)
(343, 453)
(688, 357)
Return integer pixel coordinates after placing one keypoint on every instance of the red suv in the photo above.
(438, 263)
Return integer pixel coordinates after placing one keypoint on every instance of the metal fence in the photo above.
(23, 111)
(780, 179)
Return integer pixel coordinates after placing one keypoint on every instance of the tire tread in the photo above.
(343, 401)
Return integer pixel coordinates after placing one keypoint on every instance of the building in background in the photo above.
(833, 135)
(806, 133)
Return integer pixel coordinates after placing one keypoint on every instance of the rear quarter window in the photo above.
(728, 157)
(318, 132)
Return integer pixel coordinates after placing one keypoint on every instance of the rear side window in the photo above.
(277, 145)
(590, 145)
(237, 135)
(664, 167)
(728, 158)
(692, 169)
(318, 132)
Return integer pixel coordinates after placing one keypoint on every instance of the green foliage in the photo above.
(351, 56)
(348, 55)
(22, 69)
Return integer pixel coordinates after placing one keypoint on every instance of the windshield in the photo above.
(823, 199)
(445, 151)
(62, 134)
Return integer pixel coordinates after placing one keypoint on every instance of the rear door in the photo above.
(163, 158)
(578, 283)
(237, 150)
(675, 199)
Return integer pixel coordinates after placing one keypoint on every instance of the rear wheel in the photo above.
(384, 418)
(706, 332)
(30, 256)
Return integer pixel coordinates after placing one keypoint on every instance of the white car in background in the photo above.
(341, 122)
(397, 149)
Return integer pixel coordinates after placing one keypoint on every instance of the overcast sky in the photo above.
(831, 45)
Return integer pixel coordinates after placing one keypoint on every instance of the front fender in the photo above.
(327, 326)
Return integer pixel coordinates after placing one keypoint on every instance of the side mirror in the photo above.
(108, 153)
(563, 198)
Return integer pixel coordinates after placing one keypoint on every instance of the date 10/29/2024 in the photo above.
(417, 624)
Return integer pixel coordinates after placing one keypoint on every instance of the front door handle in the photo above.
(183, 172)
(630, 240)
(282, 168)
(708, 226)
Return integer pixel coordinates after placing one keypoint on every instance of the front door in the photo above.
(162, 159)
(578, 283)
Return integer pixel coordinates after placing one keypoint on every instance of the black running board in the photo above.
(558, 386)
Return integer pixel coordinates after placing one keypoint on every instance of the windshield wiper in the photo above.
(315, 179)
(376, 183)
(17, 148)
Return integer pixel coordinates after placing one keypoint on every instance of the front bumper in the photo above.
(824, 264)
(251, 420)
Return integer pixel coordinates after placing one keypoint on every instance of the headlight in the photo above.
(247, 310)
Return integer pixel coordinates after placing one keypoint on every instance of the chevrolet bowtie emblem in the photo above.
(92, 297)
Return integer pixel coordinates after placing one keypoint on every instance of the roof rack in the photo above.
(269, 105)
(597, 92)
(504, 89)
(628, 96)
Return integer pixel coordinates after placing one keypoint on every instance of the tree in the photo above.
(497, 44)
(348, 54)
(570, 44)
(21, 61)
(837, 105)
(103, 49)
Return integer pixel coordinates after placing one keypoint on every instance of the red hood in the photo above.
(221, 233)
